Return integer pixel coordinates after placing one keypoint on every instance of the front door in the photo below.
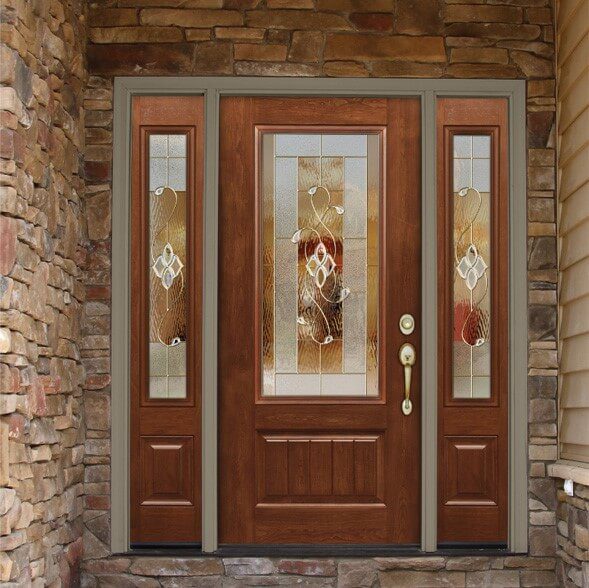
(319, 320)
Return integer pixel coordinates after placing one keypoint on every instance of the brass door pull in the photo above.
(407, 358)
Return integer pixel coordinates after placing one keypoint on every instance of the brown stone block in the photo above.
(297, 19)
(532, 66)
(169, 58)
(357, 5)
(136, 35)
(238, 33)
(543, 49)
(481, 70)
(98, 136)
(481, 13)
(112, 17)
(172, 3)
(346, 69)
(479, 55)
(543, 541)
(384, 48)
(8, 243)
(256, 52)
(290, 3)
(539, 128)
(160, 17)
(367, 21)
(494, 31)
(306, 46)
(197, 34)
(541, 178)
(212, 57)
(419, 17)
(97, 171)
(410, 563)
(538, 15)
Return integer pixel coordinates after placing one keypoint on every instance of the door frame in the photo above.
(212, 88)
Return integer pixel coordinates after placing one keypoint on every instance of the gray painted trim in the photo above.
(209, 334)
(213, 88)
(518, 325)
(429, 330)
(120, 324)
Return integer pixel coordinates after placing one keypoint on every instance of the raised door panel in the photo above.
(167, 475)
(320, 468)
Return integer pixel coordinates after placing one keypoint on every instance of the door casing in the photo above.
(428, 90)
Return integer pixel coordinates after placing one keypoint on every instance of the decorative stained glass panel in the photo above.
(320, 231)
(167, 288)
(472, 260)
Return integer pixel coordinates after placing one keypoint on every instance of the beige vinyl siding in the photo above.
(573, 184)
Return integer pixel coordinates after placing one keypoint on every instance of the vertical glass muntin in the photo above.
(471, 246)
(167, 186)
(320, 198)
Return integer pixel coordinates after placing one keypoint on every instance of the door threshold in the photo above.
(314, 551)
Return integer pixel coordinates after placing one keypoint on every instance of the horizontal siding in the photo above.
(573, 185)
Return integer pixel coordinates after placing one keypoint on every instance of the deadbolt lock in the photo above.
(406, 324)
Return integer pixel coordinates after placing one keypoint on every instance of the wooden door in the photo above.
(165, 291)
(319, 241)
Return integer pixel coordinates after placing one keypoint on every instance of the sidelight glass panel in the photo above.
(320, 232)
(167, 260)
(472, 260)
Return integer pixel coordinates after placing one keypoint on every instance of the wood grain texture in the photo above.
(461, 520)
(165, 519)
(326, 470)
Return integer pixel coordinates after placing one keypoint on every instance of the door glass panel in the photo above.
(472, 261)
(320, 233)
(167, 260)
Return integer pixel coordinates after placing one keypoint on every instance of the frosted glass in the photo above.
(167, 260)
(316, 232)
(345, 145)
(471, 356)
(292, 145)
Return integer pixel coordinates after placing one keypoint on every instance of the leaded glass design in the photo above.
(167, 288)
(472, 259)
(320, 231)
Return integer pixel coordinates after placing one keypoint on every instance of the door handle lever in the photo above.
(407, 357)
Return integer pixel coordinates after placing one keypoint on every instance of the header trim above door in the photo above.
(212, 88)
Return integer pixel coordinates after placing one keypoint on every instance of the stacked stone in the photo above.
(381, 38)
(573, 536)
(475, 571)
(42, 71)
(96, 325)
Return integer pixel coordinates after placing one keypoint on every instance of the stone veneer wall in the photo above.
(380, 38)
(417, 38)
(573, 536)
(43, 77)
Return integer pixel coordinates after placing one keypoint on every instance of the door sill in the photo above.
(305, 550)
